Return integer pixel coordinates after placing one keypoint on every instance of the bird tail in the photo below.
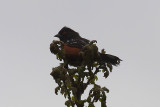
(114, 60)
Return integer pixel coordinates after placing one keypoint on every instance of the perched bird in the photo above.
(74, 43)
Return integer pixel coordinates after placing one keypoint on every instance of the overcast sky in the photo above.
(129, 29)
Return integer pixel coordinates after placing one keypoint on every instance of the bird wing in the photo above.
(77, 43)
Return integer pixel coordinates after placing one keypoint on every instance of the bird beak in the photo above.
(58, 35)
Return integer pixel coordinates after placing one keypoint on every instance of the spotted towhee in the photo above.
(74, 43)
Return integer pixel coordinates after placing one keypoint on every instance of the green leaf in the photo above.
(56, 90)
(62, 90)
(68, 103)
(65, 94)
(92, 81)
(89, 99)
(106, 74)
(106, 89)
(73, 99)
(110, 67)
(103, 70)
(96, 78)
(100, 99)
(57, 56)
(75, 76)
(91, 105)
(68, 84)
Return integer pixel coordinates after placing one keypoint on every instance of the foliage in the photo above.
(71, 81)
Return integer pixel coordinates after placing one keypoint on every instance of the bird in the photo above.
(74, 43)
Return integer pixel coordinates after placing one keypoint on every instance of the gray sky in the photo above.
(129, 29)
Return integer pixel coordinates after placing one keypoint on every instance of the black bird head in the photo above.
(66, 34)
